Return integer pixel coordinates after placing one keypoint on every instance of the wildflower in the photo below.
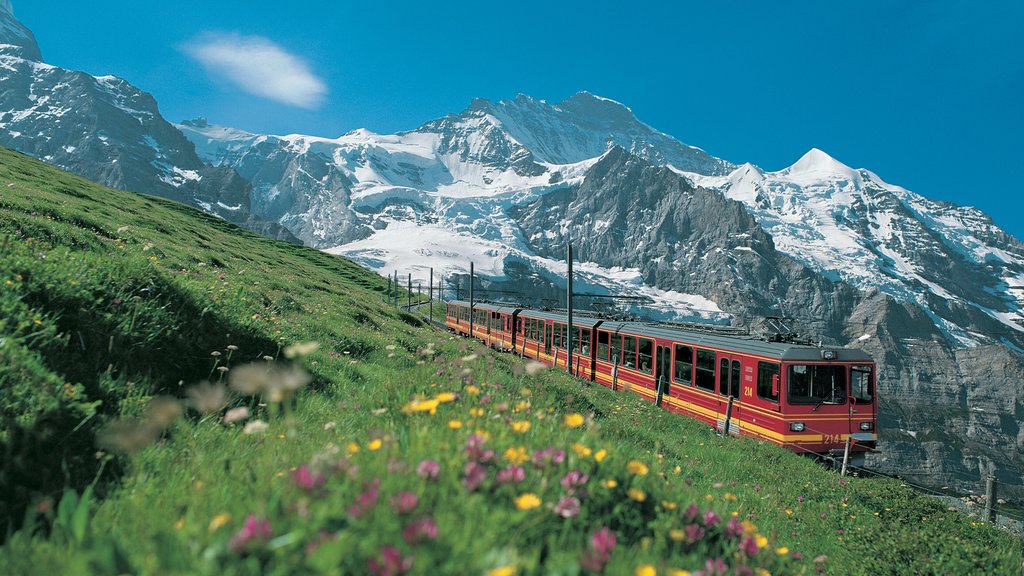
(636, 467)
(421, 406)
(600, 455)
(527, 501)
(549, 455)
(446, 397)
(330, 425)
(511, 474)
(676, 572)
(715, 567)
(475, 474)
(301, 349)
(404, 502)
(455, 424)
(645, 570)
(789, 512)
(308, 480)
(636, 494)
(472, 390)
(568, 507)
(782, 551)
(126, 436)
(677, 535)
(475, 449)
(749, 547)
(710, 519)
(694, 533)
(610, 483)
(506, 570)
(420, 530)
(219, 521)
(205, 397)
(533, 368)
(761, 541)
(428, 469)
(255, 531)
(374, 444)
(516, 455)
(520, 426)
(574, 480)
(274, 382)
(367, 500)
(668, 505)
(390, 562)
(800, 499)
(255, 427)
(729, 497)
(602, 543)
(581, 450)
(352, 447)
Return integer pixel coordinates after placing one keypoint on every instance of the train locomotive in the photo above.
(809, 399)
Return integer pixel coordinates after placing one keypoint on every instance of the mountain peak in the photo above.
(592, 106)
(14, 35)
(818, 162)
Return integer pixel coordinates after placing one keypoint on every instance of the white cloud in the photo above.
(259, 67)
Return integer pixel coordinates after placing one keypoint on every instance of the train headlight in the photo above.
(866, 426)
(796, 426)
(828, 354)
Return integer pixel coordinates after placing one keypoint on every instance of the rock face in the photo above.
(106, 130)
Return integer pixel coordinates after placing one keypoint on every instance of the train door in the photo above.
(663, 370)
(548, 330)
(730, 383)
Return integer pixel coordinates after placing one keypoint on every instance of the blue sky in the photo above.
(926, 94)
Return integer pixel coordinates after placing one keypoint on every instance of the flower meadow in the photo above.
(183, 397)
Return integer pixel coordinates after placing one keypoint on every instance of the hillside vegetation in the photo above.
(182, 396)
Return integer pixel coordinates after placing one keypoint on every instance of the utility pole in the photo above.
(409, 292)
(568, 299)
(388, 293)
(396, 288)
(471, 311)
(431, 297)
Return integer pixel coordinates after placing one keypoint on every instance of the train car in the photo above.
(544, 336)
(456, 317)
(805, 398)
(494, 325)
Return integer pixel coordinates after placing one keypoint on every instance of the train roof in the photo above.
(585, 321)
(486, 306)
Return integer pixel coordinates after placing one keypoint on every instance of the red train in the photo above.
(805, 398)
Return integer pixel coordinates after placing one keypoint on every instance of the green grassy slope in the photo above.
(108, 299)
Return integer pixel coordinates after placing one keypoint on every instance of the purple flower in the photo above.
(547, 456)
(715, 567)
(710, 518)
(404, 502)
(691, 513)
(306, 479)
(255, 531)
(574, 480)
(390, 563)
(511, 474)
(475, 476)
(428, 469)
(366, 501)
(694, 533)
(734, 529)
(602, 542)
(568, 507)
(800, 499)
(749, 546)
(419, 531)
(475, 449)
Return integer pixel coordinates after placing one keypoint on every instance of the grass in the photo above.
(110, 299)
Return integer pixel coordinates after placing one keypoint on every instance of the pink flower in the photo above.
(390, 563)
(428, 469)
(568, 507)
(404, 502)
(710, 518)
(475, 449)
(549, 455)
(420, 530)
(691, 512)
(715, 567)
(800, 499)
(255, 531)
(574, 480)
(694, 533)
(511, 475)
(749, 546)
(366, 501)
(307, 480)
(475, 476)
(734, 529)
(602, 542)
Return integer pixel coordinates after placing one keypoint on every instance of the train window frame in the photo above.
(585, 341)
(629, 352)
(831, 399)
(640, 343)
(870, 372)
(603, 348)
(765, 385)
(676, 363)
(558, 336)
(729, 377)
(704, 369)
(616, 349)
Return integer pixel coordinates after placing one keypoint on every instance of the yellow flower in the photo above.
(374, 445)
(472, 390)
(445, 397)
(600, 454)
(181, 521)
(455, 424)
(520, 426)
(516, 455)
(782, 551)
(609, 483)
(645, 570)
(581, 450)
(677, 470)
(677, 535)
(527, 501)
(219, 521)
(352, 447)
(526, 392)
(520, 406)
(507, 570)
(637, 494)
(761, 541)
(789, 512)
(637, 467)
(709, 497)
(667, 505)
(677, 572)
(476, 412)
(483, 434)
(574, 420)
(729, 497)
(421, 406)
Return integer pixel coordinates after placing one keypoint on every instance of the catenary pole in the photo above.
(568, 299)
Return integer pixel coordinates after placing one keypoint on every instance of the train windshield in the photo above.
(862, 388)
(817, 384)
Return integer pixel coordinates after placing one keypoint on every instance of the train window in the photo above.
(585, 342)
(646, 355)
(767, 381)
(602, 345)
(684, 364)
(861, 387)
(558, 335)
(617, 349)
(817, 384)
(705, 370)
(724, 377)
(565, 336)
(629, 351)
